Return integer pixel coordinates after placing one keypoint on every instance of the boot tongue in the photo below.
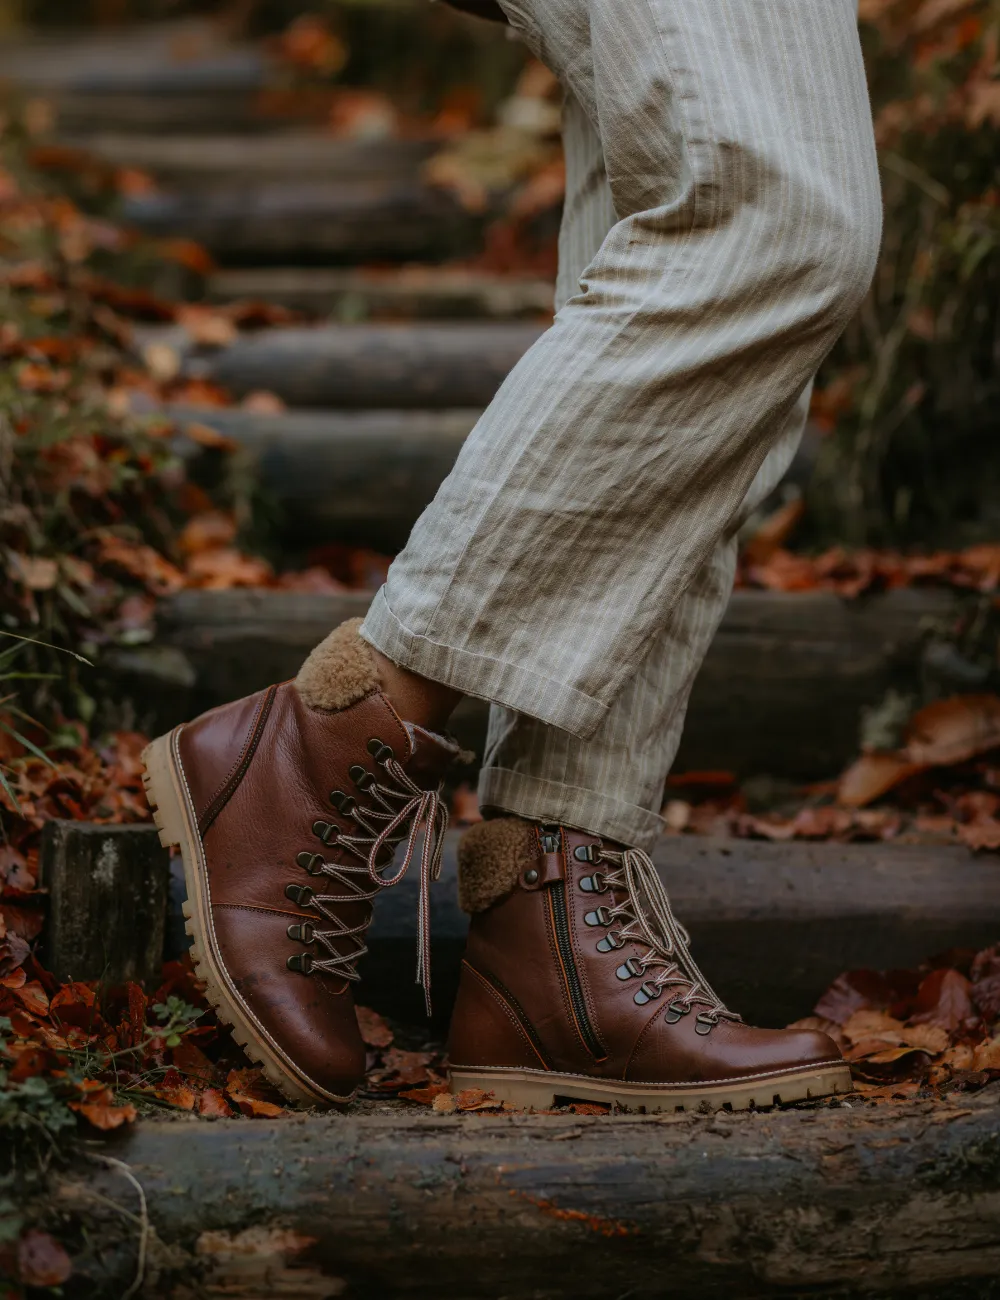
(430, 755)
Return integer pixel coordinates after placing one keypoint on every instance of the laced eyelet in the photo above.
(361, 777)
(704, 1024)
(301, 932)
(627, 970)
(381, 752)
(311, 862)
(301, 962)
(300, 894)
(595, 884)
(326, 831)
(646, 992)
(587, 853)
(600, 917)
(610, 942)
(675, 1010)
(344, 803)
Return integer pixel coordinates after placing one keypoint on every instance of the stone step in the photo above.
(350, 367)
(834, 1204)
(350, 295)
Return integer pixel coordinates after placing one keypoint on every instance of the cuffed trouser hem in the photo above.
(487, 678)
(585, 810)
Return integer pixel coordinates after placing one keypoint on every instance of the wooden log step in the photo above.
(155, 58)
(772, 925)
(780, 692)
(842, 1203)
(412, 367)
(411, 291)
(179, 76)
(191, 162)
(377, 219)
(354, 476)
(107, 888)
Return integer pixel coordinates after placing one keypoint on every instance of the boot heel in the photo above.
(161, 794)
(516, 1087)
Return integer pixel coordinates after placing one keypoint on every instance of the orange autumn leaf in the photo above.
(141, 561)
(33, 998)
(252, 1095)
(982, 835)
(473, 1099)
(208, 531)
(774, 532)
(213, 1105)
(871, 776)
(101, 1112)
(223, 567)
(179, 1095)
(427, 1095)
(953, 730)
(374, 1030)
(41, 1261)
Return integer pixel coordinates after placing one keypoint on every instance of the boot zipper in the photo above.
(560, 926)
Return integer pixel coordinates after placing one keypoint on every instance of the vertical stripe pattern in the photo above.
(722, 222)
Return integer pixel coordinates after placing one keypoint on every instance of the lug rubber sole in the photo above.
(174, 817)
(538, 1089)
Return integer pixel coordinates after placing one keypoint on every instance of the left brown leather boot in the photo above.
(578, 982)
(287, 808)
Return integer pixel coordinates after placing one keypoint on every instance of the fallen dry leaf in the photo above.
(41, 1261)
(374, 1030)
(426, 1096)
(103, 1113)
(942, 999)
(473, 1099)
(953, 730)
(981, 835)
(206, 532)
(873, 775)
(987, 1055)
(213, 1105)
(250, 1092)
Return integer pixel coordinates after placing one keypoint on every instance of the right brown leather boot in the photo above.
(287, 807)
(578, 982)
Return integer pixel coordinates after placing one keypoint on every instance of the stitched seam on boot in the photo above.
(236, 775)
(512, 1009)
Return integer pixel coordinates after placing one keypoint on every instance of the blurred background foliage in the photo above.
(906, 410)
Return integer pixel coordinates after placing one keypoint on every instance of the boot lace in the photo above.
(649, 920)
(401, 810)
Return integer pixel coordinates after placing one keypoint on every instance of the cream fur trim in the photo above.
(340, 671)
(491, 856)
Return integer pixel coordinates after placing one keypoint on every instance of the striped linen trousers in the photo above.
(722, 223)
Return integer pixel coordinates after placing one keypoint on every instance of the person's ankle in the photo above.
(416, 699)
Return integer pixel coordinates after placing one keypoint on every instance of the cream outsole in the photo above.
(174, 817)
(538, 1089)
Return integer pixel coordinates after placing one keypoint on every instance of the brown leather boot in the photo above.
(287, 807)
(578, 982)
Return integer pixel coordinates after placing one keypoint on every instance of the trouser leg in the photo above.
(619, 452)
(612, 784)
